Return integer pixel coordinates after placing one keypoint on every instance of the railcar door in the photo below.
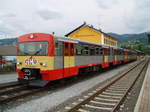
(58, 60)
(69, 60)
(111, 57)
(106, 57)
(115, 56)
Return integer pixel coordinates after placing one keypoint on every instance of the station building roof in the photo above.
(90, 26)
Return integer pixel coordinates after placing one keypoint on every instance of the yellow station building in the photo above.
(90, 34)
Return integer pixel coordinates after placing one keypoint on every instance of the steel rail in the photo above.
(88, 99)
(9, 84)
(126, 93)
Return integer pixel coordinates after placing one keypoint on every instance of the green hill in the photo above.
(141, 37)
(9, 41)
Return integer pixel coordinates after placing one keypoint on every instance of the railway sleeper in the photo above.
(114, 91)
(94, 108)
(110, 96)
(105, 99)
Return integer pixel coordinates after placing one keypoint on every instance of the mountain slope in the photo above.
(142, 37)
(123, 38)
(10, 41)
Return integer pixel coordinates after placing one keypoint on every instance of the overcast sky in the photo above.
(18, 17)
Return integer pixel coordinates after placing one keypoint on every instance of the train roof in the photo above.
(66, 39)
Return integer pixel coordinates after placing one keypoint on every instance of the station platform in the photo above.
(143, 102)
(8, 77)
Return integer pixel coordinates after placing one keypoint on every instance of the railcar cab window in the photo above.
(33, 48)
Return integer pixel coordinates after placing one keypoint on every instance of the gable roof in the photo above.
(84, 25)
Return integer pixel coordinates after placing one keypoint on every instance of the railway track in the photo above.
(14, 93)
(9, 84)
(110, 97)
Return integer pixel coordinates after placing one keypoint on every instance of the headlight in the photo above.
(43, 64)
(19, 63)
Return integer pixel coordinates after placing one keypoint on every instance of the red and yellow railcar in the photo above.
(43, 57)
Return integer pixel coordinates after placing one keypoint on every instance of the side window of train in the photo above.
(120, 52)
(92, 51)
(56, 48)
(86, 51)
(78, 49)
(101, 51)
(61, 48)
(97, 51)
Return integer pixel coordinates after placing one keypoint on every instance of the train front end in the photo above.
(35, 58)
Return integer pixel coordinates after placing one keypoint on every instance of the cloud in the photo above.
(49, 15)
(7, 15)
(138, 19)
(5, 26)
(61, 16)
(106, 4)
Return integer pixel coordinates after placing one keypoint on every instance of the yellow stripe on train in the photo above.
(105, 58)
(69, 61)
(42, 62)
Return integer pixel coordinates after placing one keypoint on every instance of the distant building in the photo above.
(90, 34)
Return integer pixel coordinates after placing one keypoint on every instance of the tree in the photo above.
(136, 44)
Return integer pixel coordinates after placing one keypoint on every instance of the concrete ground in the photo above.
(8, 77)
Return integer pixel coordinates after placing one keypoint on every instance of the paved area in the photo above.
(8, 77)
(143, 103)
